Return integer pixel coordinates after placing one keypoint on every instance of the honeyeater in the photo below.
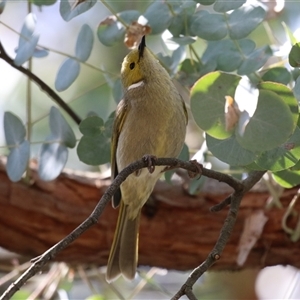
(150, 121)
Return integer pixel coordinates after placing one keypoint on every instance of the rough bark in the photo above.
(177, 230)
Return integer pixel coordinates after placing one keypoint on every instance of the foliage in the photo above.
(247, 107)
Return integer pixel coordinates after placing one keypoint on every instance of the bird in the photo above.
(150, 121)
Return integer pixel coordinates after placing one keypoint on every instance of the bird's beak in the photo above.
(142, 46)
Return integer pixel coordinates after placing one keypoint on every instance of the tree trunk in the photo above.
(177, 230)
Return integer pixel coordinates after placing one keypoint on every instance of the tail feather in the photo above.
(124, 251)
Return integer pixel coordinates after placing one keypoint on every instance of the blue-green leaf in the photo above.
(43, 2)
(2, 6)
(68, 11)
(84, 43)
(92, 126)
(17, 161)
(27, 41)
(224, 6)
(158, 16)
(61, 131)
(278, 74)
(244, 20)
(296, 89)
(53, 157)
(14, 129)
(67, 73)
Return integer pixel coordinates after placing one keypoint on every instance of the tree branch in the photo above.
(46, 88)
(241, 187)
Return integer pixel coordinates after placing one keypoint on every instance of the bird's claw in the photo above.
(150, 159)
(199, 169)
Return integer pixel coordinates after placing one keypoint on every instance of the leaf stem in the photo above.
(114, 13)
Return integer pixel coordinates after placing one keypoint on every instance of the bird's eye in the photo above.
(132, 65)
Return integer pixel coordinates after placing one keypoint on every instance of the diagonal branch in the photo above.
(215, 254)
(46, 88)
(240, 186)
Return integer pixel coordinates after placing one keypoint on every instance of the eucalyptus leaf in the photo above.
(244, 20)
(39, 53)
(28, 40)
(68, 11)
(43, 2)
(14, 129)
(52, 159)
(2, 6)
(296, 89)
(294, 56)
(224, 6)
(208, 102)
(270, 126)
(60, 129)
(17, 161)
(287, 178)
(206, 2)
(84, 43)
(278, 74)
(158, 16)
(230, 151)
(92, 126)
(67, 74)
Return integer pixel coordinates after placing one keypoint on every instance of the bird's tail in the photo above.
(124, 251)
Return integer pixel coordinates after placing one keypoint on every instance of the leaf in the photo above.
(110, 31)
(53, 158)
(297, 89)
(39, 52)
(294, 56)
(278, 74)
(43, 2)
(117, 90)
(255, 60)
(205, 2)
(158, 16)
(2, 6)
(270, 126)
(224, 6)
(67, 74)
(27, 41)
(14, 129)
(208, 26)
(60, 129)
(208, 102)
(230, 151)
(84, 43)
(282, 157)
(21, 295)
(287, 178)
(94, 146)
(69, 12)
(96, 297)
(17, 161)
(244, 20)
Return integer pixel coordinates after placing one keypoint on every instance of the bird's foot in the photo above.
(199, 169)
(150, 159)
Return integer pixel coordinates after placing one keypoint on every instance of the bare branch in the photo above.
(46, 88)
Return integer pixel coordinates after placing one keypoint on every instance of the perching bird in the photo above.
(150, 120)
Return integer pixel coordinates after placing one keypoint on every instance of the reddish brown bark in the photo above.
(177, 231)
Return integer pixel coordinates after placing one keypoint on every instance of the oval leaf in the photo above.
(68, 12)
(14, 129)
(67, 74)
(84, 43)
(60, 129)
(92, 126)
(17, 161)
(287, 178)
(53, 157)
(208, 102)
(278, 74)
(270, 126)
(224, 6)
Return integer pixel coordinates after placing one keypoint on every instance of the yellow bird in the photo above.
(150, 120)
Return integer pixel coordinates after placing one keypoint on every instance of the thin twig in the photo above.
(40, 261)
(46, 88)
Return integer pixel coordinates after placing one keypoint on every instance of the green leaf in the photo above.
(230, 151)
(286, 95)
(224, 6)
(96, 297)
(27, 41)
(68, 11)
(43, 2)
(244, 20)
(60, 129)
(17, 161)
(270, 126)
(294, 56)
(21, 295)
(183, 41)
(94, 146)
(278, 74)
(296, 89)
(287, 178)
(67, 74)
(289, 34)
(110, 31)
(52, 159)
(84, 43)
(208, 102)
(255, 60)
(208, 26)
(159, 17)
(14, 129)
(205, 2)
(282, 157)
